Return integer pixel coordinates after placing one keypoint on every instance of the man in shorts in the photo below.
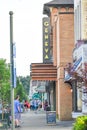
(17, 111)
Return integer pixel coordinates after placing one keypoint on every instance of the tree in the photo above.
(5, 90)
(19, 90)
(4, 81)
(26, 83)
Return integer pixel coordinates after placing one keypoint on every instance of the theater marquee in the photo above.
(46, 39)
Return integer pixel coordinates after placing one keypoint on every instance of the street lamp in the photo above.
(12, 68)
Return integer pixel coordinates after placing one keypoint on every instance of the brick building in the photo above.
(58, 44)
(77, 72)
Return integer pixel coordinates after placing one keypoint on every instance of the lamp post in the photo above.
(11, 68)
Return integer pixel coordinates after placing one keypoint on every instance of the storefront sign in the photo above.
(51, 117)
(41, 89)
(46, 39)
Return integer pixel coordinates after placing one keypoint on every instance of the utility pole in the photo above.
(12, 68)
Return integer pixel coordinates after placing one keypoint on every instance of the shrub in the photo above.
(80, 123)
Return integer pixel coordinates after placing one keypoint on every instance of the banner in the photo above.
(14, 65)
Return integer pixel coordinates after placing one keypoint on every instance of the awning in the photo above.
(41, 71)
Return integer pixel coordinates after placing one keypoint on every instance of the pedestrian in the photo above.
(17, 111)
(39, 104)
(45, 105)
(26, 105)
(35, 104)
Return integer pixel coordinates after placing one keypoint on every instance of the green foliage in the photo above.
(19, 90)
(22, 88)
(4, 81)
(26, 83)
(81, 123)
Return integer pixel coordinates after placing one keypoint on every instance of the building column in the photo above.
(74, 98)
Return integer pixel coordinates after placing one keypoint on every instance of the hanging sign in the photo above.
(46, 39)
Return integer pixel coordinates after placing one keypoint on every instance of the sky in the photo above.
(27, 32)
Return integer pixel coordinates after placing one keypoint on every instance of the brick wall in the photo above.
(63, 44)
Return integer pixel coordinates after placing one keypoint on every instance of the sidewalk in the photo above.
(37, 121)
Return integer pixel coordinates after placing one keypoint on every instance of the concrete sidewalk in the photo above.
(32, 120)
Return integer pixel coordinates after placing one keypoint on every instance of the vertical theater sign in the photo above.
(46, 39)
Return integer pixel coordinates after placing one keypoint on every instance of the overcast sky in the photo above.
(27, 32)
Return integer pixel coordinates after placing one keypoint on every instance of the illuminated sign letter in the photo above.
(46, 36)
(46, 43)
(46, 50)
(46, 30)
(46, 57)
(46, 23)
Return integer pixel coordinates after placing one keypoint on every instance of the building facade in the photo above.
(76, 72)
(58, 44)
(80, 56)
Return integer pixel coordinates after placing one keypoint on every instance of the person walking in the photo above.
(26, 105)
(45, 105)
(17, 111)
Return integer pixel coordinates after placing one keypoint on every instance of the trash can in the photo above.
(51, 117)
